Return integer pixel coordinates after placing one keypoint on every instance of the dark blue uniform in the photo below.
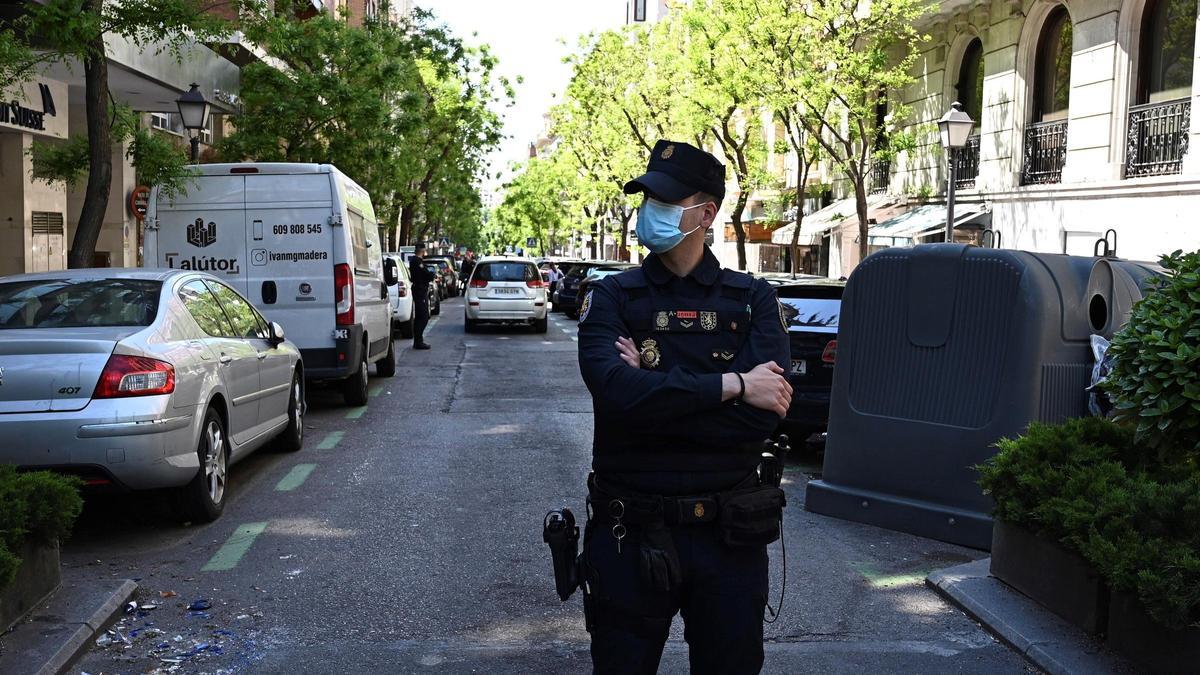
(662, 429)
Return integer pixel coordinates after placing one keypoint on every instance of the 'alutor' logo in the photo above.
(201, 235)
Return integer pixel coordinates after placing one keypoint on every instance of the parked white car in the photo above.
(400, 296)
(506, 290)
(141, 379)
(298, 240)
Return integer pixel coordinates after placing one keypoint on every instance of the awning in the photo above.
(923, 221)
(819, 222)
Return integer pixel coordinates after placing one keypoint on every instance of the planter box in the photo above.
(37, 577)
(1152, 647)
(1058, 579)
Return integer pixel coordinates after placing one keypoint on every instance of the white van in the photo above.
(301, 242)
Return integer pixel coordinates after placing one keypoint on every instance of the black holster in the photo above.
(561, 533)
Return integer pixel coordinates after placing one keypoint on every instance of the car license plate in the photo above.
(507, 291)
(799, 367)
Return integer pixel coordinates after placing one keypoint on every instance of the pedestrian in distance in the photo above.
(421, 278)
(683, 362)
(465, 270)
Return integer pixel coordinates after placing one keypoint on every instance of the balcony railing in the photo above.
(1045, 152)
(1158, 138)
(966, 165)
(881, 175)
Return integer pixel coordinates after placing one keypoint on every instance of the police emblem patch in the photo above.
(708, 320)
(662, 320)
(586, 306)
(668, 151)
(698, 510)
(650, 354)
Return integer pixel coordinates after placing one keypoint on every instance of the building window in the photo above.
(171, 123)
(1052, 79)
(206, 134)
(639, 10)
(970, 94)
(1160, 121)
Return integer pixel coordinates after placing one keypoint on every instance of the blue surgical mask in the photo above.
(658, 225)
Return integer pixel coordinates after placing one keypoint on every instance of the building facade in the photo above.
(1084, 121)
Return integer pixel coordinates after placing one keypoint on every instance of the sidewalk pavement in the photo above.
(1049, 642)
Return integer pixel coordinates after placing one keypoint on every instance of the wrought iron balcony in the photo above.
(1158, 138)
(966, 165)
(1045, 152)
(881, 176)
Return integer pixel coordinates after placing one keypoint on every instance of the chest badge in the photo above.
(698, 510)
(662, 320)
(650, 354)
(708, 320)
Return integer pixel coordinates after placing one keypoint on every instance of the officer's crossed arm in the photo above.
(641, 394)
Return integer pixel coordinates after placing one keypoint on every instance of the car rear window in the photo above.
(506, 271)
(812, 314)
(78, 303)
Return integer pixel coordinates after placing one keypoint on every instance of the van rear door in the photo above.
(204, 230)
(290, 244)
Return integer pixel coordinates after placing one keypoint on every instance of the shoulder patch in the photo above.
(632, 278)
(784, 314)
(586, 306)
(736, 279)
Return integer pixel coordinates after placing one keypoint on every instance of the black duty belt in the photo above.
(635, 508)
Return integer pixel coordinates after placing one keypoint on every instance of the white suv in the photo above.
(506, 290)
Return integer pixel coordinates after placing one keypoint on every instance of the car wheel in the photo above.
(437, 308)
(468, 324)
(406, 329)
(386, 367)
(354, 389)
(292, 438)
(540, 325)
(203, 499)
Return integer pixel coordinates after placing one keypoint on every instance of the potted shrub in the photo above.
(37, 510)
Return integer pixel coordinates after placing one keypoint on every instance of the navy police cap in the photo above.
(677, 171)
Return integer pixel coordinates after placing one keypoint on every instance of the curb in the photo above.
(53, 636)
(1044, 639)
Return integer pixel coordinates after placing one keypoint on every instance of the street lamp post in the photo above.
(955, 127)
(193, 108)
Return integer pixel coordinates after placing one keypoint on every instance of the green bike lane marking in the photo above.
(230, 554)
(295, 478)
(376, 390)
(331, 440)
(355, 413)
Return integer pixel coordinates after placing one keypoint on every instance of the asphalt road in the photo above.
(406, 537)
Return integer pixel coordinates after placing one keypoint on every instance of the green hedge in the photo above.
(39, 504)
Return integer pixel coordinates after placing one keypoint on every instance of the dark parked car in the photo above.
(565, 296)
(448, 270)
(811, 306)
(437, 290)
(596, 274)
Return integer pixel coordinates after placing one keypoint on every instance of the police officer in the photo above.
(421, 278)
(682, 359)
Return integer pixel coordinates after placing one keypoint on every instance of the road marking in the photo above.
(376, 390)
(295, 478)
(330, 441)
(574, 339)
(566, 330)
(356, 413)
(230, 554)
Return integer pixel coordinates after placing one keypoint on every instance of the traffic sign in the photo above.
(530, 242)
(139, 202)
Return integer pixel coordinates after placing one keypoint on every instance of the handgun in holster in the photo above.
(562, 534)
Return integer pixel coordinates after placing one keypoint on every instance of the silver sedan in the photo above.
(143, 379)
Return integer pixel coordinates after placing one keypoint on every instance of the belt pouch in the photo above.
(660, 569)
(751, 517)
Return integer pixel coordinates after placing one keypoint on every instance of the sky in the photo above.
(526, 38)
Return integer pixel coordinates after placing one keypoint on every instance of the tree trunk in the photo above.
(735, 216)
(800, 179)
(860, 205)
(99, 183)
(623, 219)
(406, 223)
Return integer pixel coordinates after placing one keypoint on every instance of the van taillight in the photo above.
(134, 376)
(535, 283)
(244, 169)
(478, 283)
(830, 353)
(343, 294)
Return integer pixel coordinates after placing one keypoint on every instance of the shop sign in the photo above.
(37, 112)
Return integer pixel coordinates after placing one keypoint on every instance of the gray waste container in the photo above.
(943, 350)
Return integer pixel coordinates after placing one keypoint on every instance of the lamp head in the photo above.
(955, 127)
(193, 108)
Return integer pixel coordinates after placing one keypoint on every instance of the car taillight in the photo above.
(830, 353)
(535, 283)
(343, 294)
(478, 283)
(134, 376)
(401, 289)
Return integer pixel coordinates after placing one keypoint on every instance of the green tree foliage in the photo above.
(40, 505)
(75, 30)
(1156, 378)
(406, 110)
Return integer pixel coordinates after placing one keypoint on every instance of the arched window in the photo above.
(970, 80)
(1052, 79)
(1168, 51)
